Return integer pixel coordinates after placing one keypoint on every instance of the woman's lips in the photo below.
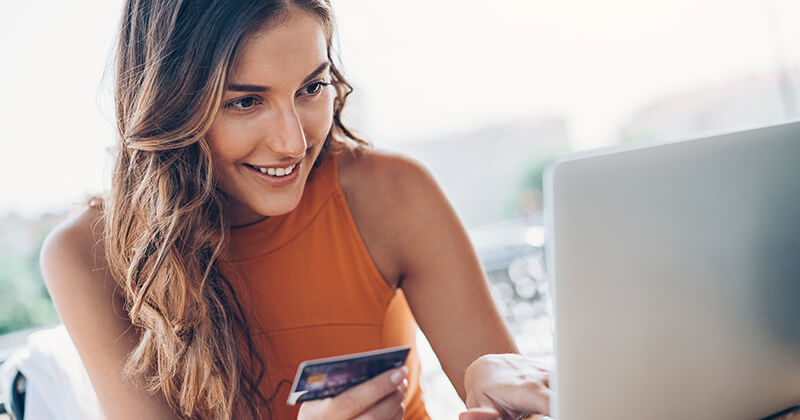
(276, 181)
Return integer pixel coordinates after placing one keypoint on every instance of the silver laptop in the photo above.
(676, 278)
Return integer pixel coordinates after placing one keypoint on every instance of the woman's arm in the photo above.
(418, 243)
(443, 280)
(73, 266)
(433, 261)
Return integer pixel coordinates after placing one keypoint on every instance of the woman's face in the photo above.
(277, 111)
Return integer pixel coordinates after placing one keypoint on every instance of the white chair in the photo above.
(46, 380)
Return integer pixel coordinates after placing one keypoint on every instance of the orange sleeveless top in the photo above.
(310, 290)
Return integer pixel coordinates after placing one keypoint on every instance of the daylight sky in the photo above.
(422, 69)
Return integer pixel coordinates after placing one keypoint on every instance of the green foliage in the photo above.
(528, 196)
(534, 175)
(24, 301)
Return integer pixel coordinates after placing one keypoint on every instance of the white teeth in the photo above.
(276, 172)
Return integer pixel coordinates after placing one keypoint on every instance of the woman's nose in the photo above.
(285, 134)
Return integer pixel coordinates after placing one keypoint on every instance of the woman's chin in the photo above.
(279, 205)
(244, 215)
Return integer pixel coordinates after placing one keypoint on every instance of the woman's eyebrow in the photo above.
(319, 70)
(247, 88)
(256, 88)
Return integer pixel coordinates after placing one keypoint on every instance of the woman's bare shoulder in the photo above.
(76, 243)
(366, 170)
(393, 200)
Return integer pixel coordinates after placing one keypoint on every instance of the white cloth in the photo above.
(57, 385)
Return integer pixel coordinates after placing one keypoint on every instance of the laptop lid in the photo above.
(676, 278)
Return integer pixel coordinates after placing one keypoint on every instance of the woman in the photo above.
(247, 229)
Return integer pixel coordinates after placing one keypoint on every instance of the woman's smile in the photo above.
(277, 176)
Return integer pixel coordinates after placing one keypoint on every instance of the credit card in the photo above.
(324, 378)
(789, 413)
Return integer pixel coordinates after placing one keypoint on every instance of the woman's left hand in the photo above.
(508, 384)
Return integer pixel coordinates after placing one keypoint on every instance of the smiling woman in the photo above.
(276, 115)
(247, 230)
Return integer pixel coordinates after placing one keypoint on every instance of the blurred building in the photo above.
(483, 172)
(761, 99)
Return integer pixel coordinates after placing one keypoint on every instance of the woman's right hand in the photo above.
(379, 398)
(506, 386)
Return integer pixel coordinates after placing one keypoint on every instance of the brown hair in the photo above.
(165, 217)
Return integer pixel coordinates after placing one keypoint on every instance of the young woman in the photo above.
(247, 229)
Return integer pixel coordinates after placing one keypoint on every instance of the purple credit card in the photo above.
(324, 378)
(789, 413)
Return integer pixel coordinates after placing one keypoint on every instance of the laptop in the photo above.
(675, 273)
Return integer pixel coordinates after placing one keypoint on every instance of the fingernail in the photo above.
(398, 375)
(403, 387)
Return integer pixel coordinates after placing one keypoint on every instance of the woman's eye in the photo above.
(314, 88)
(243, 104)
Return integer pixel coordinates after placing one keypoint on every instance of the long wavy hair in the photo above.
(165, 217)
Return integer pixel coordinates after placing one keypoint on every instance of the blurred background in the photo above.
(484, 94)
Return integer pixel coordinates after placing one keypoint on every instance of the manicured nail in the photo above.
(403, 387)
(398, 375)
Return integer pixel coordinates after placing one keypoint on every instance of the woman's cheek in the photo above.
(317, 117)
(232, 140)
(322, 122)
